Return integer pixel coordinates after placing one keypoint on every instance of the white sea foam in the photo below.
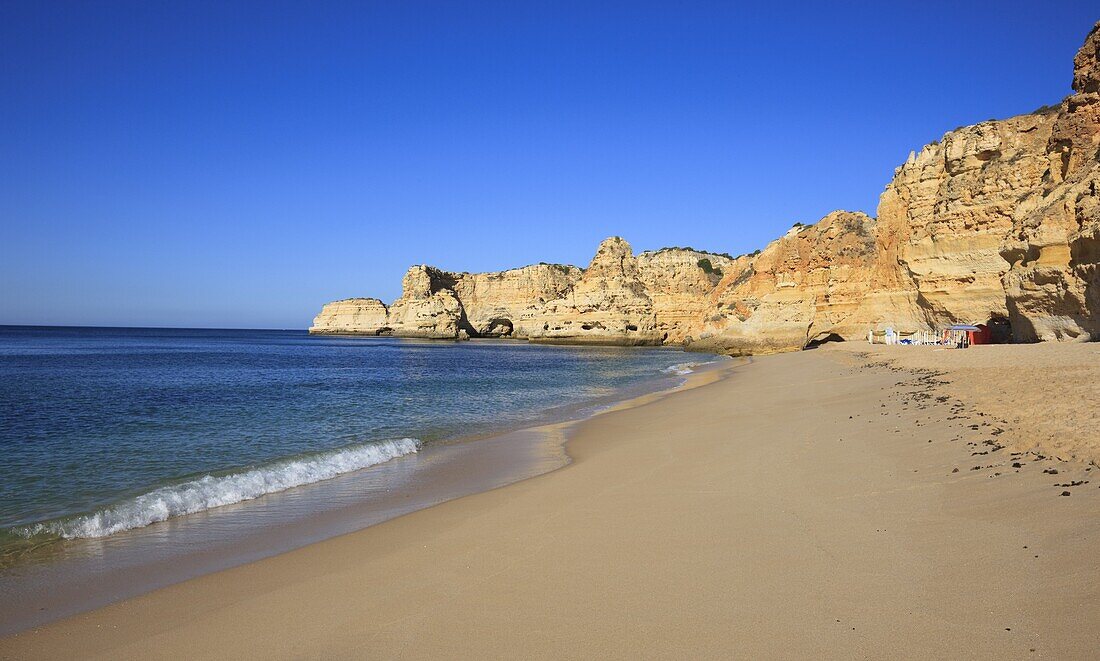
(212, 491)
(682, 368)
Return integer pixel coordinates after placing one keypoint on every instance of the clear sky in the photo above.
(236, 164)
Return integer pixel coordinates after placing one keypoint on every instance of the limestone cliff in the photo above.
(678, 282)
(1053, 283)
(995, 223)
(505, 303)
(428, 307)
(999, 221)
(351, 316)
(943, 218)
(619, 299)
(806, 286)
(608, 305)
(444, 305)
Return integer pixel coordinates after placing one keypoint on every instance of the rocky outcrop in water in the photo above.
(996, 223)
(619, 299)
(437, 304)
(506, 303)
(428, 307)
(351, 316)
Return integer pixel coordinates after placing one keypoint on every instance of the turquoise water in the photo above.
(108, 430)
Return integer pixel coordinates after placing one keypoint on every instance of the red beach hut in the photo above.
(977, 334)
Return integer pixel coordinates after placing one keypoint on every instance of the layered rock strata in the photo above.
(995, 223)
(619, 299)
(806, 286)
(351, 316)
(506, 303)
(428, 307)
(608, 305)
(678, 281)
(1052, 286)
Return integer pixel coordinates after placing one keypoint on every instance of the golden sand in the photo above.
(805, 507)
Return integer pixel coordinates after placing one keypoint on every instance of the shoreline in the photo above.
(808, 507)
(64, 578)
(563, 342)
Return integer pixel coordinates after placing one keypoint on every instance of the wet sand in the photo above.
(807, 506)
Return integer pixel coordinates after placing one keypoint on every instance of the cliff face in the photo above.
(806, 286)
(996, 223)
(619, 299)
(678, 281)
(351, 316)
(1053, 283)
(608, 305)
(443, 305)
(999, 220)
(504, 304)
(943, 218)
(428, 307)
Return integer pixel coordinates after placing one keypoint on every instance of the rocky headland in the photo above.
(995, 223)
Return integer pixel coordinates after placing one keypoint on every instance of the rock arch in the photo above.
(498, 327)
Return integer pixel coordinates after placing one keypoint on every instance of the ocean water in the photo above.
(104, 431)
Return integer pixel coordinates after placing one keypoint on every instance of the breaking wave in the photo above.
(212, 491)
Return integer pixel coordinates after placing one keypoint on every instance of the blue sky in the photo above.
(236, 164)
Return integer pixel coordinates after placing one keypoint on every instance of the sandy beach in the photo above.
(837, 503)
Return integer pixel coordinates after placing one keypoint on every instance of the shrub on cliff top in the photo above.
(709, 268)
(690, 249)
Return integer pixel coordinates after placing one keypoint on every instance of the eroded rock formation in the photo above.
(806, 286)
(505, 304)
(351, 316)
(619, 299)
(428, 307)
(608, 305)
(678, 281)
(996, 222)
(1053, 284)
